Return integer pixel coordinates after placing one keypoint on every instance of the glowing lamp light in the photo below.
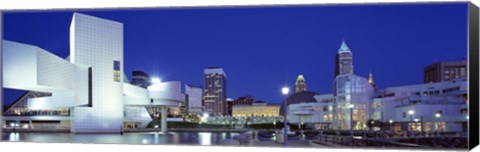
(285, 90)
(438, 115)
(390, 121)
(351, 106)
(156, 80)
(411, 112)
(416, 119)
(205, 115)
(468, 117)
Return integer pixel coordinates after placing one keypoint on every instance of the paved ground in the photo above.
(291, 143)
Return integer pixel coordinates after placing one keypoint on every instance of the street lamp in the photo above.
(437, 115)
(156, 80)
(411, 112)
(390, 122)
(285, 91)
(350, 106)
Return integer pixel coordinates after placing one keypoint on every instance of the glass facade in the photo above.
(350, 89)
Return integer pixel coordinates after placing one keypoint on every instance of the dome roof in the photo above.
(300, 97)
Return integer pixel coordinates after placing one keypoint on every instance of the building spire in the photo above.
(300, 84)
(343, 47)
(370, 79)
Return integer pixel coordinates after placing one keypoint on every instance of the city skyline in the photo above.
(311, 50)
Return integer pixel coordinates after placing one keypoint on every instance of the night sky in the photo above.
(262, 49)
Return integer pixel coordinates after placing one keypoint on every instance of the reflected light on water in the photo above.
(175, 138)
(190, 138)
(205, 138)
(144, 141)
(224, 136)
(14, 136)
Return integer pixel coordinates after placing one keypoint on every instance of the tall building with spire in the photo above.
(300, 84)
(343, 60)
(370, 80)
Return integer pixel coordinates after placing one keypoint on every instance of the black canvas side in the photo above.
(473, 40)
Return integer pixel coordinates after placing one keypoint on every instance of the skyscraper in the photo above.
(140, 79)
(343, 60)
(300, 84)
(445, 71)
(215, 86)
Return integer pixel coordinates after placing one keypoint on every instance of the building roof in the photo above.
(215, 70)
(300, 78)
(300, 97)
(344, 47)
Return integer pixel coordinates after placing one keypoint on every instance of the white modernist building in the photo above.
(90, 83)
(195, 95)
(441, 106)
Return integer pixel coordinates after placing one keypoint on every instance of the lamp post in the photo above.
(350, 106)
(422, 128)
(390, 122)
(285, 91)
(155, 80)
(437, 115)
(411, 112)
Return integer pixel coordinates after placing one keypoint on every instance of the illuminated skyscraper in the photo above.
(300, 84)
(215, 91)
(343, 60)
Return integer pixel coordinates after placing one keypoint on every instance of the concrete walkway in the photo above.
(291, 143)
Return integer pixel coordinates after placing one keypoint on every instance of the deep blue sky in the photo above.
(264, 48)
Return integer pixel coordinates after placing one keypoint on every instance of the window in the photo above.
(414, 126)
(440, 126)
(404, 115)
(116, 71)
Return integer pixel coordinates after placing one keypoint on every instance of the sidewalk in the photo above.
(291, 143)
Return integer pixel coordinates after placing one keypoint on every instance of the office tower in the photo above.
(343, 60)
(215, 91)
(445, 71)
(140, 79)
(300, 84)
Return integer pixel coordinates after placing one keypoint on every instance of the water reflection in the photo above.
(188, 138)
(14, 136)
(205, 138)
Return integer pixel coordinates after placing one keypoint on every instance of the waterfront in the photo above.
(170, 138)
